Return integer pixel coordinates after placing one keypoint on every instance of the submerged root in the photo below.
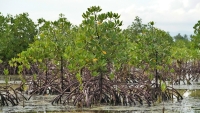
(9, 96)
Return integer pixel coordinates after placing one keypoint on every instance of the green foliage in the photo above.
(181, 51)
(195, 40)
(96, 43)
(85, 46)
(16, 33)
(151, 76)
(6, 72)
(34, 76)
(151, 23)
(134, 30)
(112, 76)
(149, 46)
(179, 37)
(197, 28)
(103, 41)
(163, 86)
(48, 45)
(78, 77)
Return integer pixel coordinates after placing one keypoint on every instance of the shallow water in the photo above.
(42, 104)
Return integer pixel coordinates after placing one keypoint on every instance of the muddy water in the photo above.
(42, 104)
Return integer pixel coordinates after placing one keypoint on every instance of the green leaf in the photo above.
(151, 76)
(112, 76)
(78, 77)
(172, 70)
(163, 87)
(94, 73)
(1, 61)
(5, 71)
(34, 76)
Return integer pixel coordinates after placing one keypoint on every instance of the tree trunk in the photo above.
(156, 70)
(61, 70)
(100, 85)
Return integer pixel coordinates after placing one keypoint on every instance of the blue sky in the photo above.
(173, 16)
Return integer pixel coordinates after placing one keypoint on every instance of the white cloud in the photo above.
(170, 15)
(178, 16)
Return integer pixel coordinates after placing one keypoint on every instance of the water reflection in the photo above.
(187, 105)
(42, 104)
(186, 94)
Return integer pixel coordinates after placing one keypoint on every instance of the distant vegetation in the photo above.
(97, 61)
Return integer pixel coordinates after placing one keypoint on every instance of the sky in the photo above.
(173, 16)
